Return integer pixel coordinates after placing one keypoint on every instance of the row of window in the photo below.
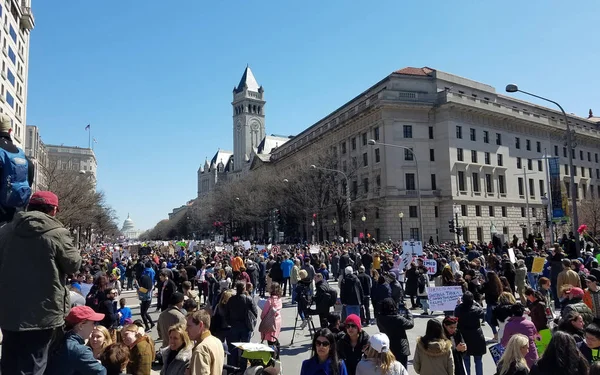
(584, 189)
(492, 210)
(460, 156)
(364, 139)
(475, 182)
(528, 144)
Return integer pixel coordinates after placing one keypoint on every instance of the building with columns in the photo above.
(476, 152)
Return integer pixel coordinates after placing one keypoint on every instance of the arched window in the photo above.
(253, 109)
(259, 109)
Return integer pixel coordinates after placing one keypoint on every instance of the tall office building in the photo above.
(17, 20)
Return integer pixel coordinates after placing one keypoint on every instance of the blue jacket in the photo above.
(150, 272)
(286, 267)
(313, 367)
(74, 358)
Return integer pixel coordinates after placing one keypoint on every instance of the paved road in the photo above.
(292, 356)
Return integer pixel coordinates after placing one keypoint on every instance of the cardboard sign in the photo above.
(314, 249)
(511, 255)
(444, 298)
(538, 265)
(247, 245)
(496, 351)
(431, 265)
(413, 247)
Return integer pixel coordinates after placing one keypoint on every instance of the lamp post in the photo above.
(545, 201)
(401, 215)
(312, 224)
(373, 142)
(334, 221)
(456, 210)
(571, 145)
(348, 202)
(364, 219)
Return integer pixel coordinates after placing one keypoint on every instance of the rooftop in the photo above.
(248, 81)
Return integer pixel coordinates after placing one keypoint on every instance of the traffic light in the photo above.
(451, 226)
(459, 231)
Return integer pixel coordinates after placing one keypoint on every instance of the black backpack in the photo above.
(332, 297)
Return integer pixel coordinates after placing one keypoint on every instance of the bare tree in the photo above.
(589, 214)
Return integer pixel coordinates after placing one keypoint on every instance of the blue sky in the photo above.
(155, 78)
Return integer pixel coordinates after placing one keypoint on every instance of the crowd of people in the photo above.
(74, 320)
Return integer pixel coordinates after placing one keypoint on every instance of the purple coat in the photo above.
(520, 324)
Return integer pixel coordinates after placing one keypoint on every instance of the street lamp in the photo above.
(571, 145)
(373, 142)
(364, 219)
(401, 215)
(548, 220)
(348, 202)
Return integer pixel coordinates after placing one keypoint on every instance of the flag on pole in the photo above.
(87, 127)
(95, 141)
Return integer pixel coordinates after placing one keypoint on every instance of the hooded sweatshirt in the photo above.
(40, 243)
(436, 359)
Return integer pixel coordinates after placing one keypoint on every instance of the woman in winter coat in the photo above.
(379, 291)
(459, 347)
(394, 324)
(469, 323)
(537, 309)
(176, 356)
(520, 324)
(141, 348)
(513, 360)
(411, 278)
(503, 311)
(273, 302)
(492, 290)
(433, 355)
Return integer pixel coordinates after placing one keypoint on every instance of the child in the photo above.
(124, 310)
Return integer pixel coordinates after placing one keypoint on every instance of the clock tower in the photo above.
(248, 118)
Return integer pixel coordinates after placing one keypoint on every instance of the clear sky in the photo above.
(155, 78)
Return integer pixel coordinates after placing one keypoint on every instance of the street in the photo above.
(292, 356)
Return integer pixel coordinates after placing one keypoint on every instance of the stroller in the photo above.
(264, 360)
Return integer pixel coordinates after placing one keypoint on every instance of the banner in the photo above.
(555, 193)
(496, 351)
(444, 298)
(538, 265)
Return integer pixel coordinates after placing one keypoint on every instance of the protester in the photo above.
(241, 315)
(469, 324)
(351, 343)
(115, 359)
(572, 323)
(520, 324)
(433, 355)
(379, 359)
(37, 240)
(99, 340)
(561, 357)
(172, 316)
(272, 311)
(590, 347)
(208, 355)
(459, 347)
(141, 349)
(176, 356)
(394, 324)
(513, 360)
(324, 359)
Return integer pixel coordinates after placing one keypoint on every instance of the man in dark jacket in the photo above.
(351, 293)
(351, 343)
(366, 282)
(575, 303)
(108, 309)
(394, 323)
(323, 299)
(37, 241)
(166, 289)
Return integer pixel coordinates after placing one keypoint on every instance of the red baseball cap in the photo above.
(44, 197)
(80, 313)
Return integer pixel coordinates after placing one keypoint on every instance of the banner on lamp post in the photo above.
(555, 192)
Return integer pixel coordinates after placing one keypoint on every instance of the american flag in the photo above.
(87, 127)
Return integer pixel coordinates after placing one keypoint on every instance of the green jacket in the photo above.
(36, 254)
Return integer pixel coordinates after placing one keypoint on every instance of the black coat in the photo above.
(469, 325)
(276, 273)
(350, 355)
(111, 317)
(366, 282)
(351, 292)
(166, 293)
(411, 281)
(322, 297)
(395, 326)
(379, 292)
(459, 365)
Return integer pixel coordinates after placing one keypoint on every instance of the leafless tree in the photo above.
(589, 214)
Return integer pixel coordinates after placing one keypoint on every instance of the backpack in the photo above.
(14, 187)
(332, 297)
(422, 282)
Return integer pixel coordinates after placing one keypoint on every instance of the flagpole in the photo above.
(89, 136)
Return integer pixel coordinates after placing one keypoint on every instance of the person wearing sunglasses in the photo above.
(351, 342)
(324, 359)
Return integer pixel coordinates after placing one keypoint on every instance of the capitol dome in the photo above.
(128, 225)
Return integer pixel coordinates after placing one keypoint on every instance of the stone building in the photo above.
(38, 155)
(73, 158)
(473, 147)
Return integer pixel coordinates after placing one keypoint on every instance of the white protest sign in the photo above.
(260, 247)
(314, 249)
(247, 245)
(413, 247)
(511, 255)
(431, 266)
(218, 249)
(444, 298)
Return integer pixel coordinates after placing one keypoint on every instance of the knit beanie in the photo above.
(354, 319)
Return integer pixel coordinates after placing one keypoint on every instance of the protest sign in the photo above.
(431, 266)
(511, 255)
(496, 351)
(247, 245)
(444, 298)
(314, 249)
(413, 247)
(218, 249)
(538, 265)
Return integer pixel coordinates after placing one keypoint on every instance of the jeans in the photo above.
(366, 316)
(293, 288)
(237, 334)
(286, 281)
(532, 279)
(478, 364)
(425, 304)
(144, 306)
(25, 352)
(130, 283)
(488, 318)
(352, 309)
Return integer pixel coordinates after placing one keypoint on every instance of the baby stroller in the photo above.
(264, 360)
